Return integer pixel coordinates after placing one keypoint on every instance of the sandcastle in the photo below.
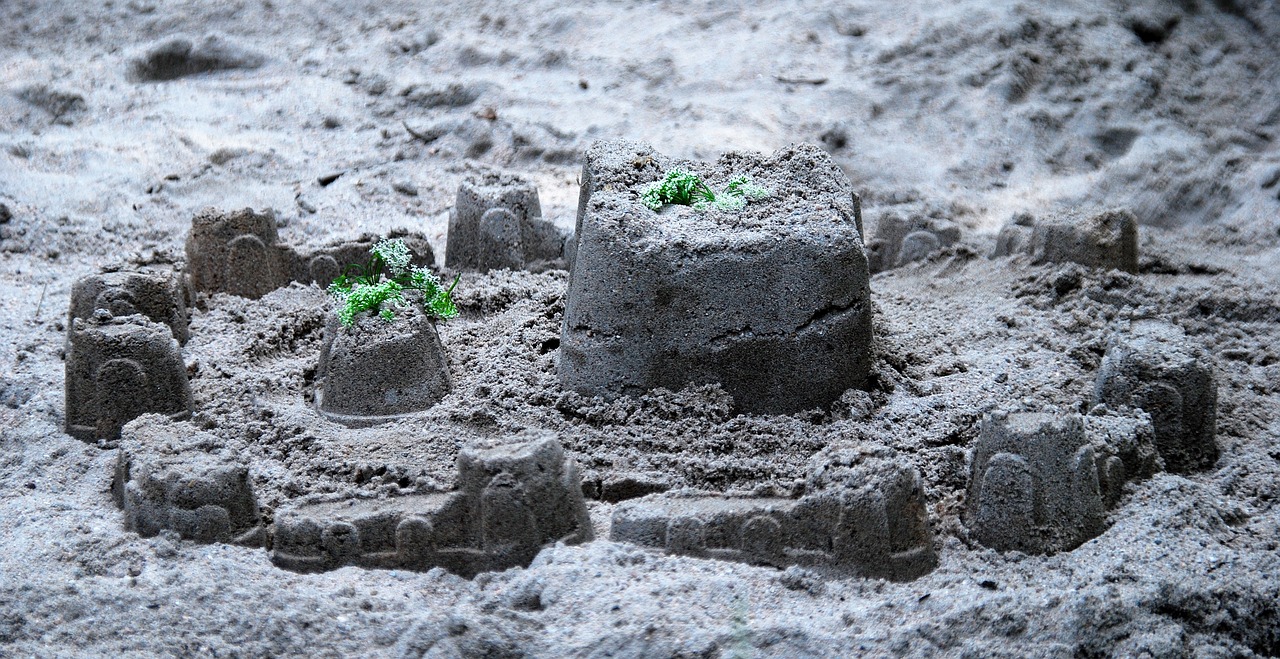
(119, 368)
(754, 300)
(1155, 368)
(899, 241)
(497, 223)
(864, 519)
(156, 295)
(171, 476)
(1034, 484)
(234, 253)
(240, 253)
(513, 497)
(1103, 240)
(1041, 483)
(123, 357)
(378, 370)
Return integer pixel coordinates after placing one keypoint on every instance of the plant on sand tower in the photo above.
(687, 189)
(384, 278)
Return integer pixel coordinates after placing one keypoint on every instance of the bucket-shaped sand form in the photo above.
(380, 370)
(119, 369)
(771, 301)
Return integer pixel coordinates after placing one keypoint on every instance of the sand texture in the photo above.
(1002, 153)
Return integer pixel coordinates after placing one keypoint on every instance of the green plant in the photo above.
(687, 189)
(383, 279)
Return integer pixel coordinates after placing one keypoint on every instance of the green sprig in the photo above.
(379, 284)
(684, 188)
(677, 187)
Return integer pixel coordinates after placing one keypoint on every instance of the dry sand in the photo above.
(966, 111)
